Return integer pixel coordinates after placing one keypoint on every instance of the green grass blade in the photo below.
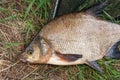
(28, 32)
(28, 9)
(8, 18)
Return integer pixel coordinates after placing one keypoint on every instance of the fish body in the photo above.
(80, 34)
(75, 38)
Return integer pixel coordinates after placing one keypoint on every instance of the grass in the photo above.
(19, 22)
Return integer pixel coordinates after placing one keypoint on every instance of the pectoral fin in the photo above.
(95, 66)
(68, 57)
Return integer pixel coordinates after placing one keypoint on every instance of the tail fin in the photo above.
(114, 52)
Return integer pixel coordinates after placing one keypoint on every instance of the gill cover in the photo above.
(44, 46)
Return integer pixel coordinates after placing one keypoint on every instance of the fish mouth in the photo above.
(23, 59)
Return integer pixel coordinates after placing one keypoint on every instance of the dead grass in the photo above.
(11, 41)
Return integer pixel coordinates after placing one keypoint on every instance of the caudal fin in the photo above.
(114, 52)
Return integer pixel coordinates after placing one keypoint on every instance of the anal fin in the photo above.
(95, 66)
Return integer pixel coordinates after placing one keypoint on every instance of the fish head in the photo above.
(37, 52)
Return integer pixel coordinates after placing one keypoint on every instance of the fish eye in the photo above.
(30, 52)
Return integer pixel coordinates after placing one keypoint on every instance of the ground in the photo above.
(20, 20)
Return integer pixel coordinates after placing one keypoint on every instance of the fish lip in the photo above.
(22, 58)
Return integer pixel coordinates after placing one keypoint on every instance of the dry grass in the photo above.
(12, 33)
(11, 41)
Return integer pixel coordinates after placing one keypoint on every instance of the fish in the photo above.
(75, 38)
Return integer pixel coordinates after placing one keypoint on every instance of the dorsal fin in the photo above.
(96, 9)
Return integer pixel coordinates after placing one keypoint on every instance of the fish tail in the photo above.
(114, 52)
